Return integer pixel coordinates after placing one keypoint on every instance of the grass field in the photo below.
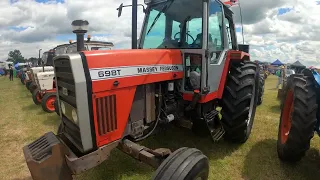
(21, 122)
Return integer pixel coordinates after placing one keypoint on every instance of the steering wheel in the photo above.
(187, 35)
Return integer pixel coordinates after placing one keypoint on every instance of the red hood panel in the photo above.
(127, 68)
(136, 57)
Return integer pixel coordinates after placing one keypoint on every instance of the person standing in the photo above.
(279, 74)
(11, 73)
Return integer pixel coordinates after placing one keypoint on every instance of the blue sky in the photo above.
(283, 10)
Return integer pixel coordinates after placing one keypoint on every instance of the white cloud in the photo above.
(289, 37)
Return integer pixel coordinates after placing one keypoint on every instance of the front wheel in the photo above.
(36, 96)
(28, 83)
(297, 120)
(183, 164)
(48, 101)
(32, 87)
(239, 101)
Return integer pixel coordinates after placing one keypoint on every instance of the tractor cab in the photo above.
(202, 30)
(47, 57)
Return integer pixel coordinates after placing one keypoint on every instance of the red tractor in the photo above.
(187, 64)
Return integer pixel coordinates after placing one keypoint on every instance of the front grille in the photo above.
(106, 114)
(72, 132)
(65, 80)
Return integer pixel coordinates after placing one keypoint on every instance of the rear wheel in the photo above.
(183, 164)
(36, 96)
(297, 120)
(47, 102)
(239, 101)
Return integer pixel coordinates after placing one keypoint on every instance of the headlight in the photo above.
(74, 115)
(63, 108)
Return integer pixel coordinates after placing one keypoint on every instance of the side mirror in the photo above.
(120, 9)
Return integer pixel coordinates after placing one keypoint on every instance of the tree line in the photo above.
(15, 56)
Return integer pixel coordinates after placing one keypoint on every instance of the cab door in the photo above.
(220, 40)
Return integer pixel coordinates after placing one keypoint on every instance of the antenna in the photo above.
(241, 21)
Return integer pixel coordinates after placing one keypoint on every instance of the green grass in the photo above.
(21, 122)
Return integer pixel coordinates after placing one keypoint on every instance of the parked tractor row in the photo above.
(40, 81)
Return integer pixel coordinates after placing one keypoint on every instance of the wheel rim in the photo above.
(286, 117)
(38, 96)
(50, 103)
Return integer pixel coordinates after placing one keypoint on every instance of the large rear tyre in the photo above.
(297, 120)
(183, 164)
(47, 102)
(36, 97)
(261, 90)
(239, 101)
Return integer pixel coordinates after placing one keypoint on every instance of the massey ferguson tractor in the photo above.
(187, 64)
(300, 115)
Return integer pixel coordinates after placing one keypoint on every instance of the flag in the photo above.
(230, 2)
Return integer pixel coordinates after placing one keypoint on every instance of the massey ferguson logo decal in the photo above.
(110, 73)
(157, 69)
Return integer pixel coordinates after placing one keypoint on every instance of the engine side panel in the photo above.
(111, 111)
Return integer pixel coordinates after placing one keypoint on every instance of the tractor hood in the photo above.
(133, 67)
(45, 75)
(40, 69)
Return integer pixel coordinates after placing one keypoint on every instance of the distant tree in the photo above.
(33, 60)
(15, 56)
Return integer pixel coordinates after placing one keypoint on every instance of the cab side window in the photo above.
(228, 32)
(215, 37)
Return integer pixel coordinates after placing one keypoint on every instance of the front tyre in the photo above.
(297, 120)
(239, 101)
(36, 96)
(48, 101)
(183, 164)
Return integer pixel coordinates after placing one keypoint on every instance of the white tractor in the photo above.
(45, 94)
(31, 84)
